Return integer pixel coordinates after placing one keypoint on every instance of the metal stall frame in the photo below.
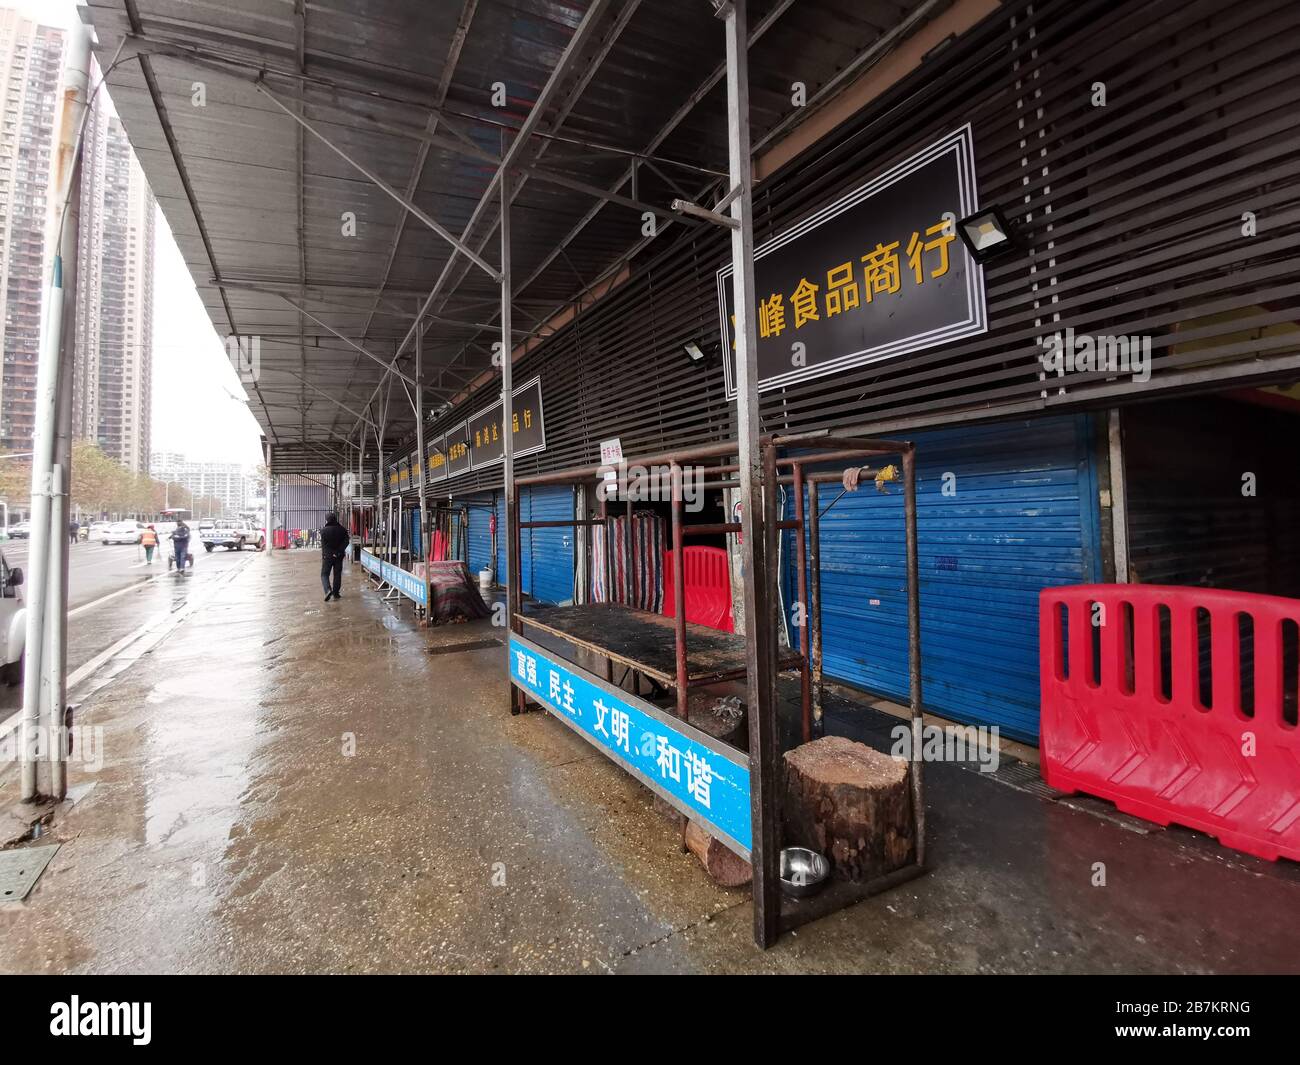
(567, 623)
(383, 572)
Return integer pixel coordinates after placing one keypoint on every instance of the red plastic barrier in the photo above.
(1157, 706)
(280, 539)
(707, 585)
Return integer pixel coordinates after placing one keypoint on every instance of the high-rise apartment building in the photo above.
(31, 65)
(112, 398)
(216, 480)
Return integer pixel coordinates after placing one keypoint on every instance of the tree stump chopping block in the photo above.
(724, 867)
(853, 804)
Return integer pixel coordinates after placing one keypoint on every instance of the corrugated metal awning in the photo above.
(290, 243)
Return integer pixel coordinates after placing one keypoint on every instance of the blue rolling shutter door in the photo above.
(1023, 516)
(502, 536)
(548, 553)
(478, 537)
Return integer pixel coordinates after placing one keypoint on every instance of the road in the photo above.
(111, 593)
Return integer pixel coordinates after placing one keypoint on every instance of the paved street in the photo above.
(112, 593)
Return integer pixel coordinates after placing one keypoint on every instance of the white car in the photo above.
(123, 532)
(95, 532)
(234, 534)
(13, 623)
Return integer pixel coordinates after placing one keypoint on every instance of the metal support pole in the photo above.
(801, 562)
(45, 646)
(510, 493)
(815, 601)
(679, 597)
(1118, 496)
(914, 649)
(270, 514)
(760, 657)
(421, 458)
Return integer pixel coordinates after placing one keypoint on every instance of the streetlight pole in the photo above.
(44, 682)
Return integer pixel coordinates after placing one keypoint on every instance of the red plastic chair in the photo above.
(708, 587)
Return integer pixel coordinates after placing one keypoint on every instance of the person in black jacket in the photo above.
(334, 542)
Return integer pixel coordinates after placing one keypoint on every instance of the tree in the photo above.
(15, 483)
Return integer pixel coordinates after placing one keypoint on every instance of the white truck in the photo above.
(231, 533)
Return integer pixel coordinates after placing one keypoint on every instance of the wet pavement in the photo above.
(112, 594)
(293, 786)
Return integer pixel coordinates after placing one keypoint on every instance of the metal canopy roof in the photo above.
(208, 93)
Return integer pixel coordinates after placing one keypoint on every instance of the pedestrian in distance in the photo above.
(73, 528)
(149, 540)
(334, 542)
(181, 543)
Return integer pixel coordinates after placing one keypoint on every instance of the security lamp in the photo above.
(986, 234)
(693, 350)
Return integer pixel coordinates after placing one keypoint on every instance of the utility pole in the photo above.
(44, 682)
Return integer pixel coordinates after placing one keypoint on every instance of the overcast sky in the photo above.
(198, 403)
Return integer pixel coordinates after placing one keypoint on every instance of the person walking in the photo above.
(149, 540)
(73, 528)
(334, 542)
(181, 542)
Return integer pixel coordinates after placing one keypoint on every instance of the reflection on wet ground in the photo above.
(295, 786)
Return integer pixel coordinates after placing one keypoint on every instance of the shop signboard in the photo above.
(486, 432)
(879, 274)
(458, 450)
(403, 474)
(699, 775)
(437, 464)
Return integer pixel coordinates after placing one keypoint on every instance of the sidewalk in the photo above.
(232, 828)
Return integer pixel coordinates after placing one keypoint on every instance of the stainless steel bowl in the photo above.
(804, 872)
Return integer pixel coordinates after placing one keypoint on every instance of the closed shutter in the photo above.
(548, 553)
(1020, 514)
(478, 536)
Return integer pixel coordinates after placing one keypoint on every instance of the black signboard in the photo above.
(876, 275)
(437, 464)
(486, 440)
(486, 433)
(457, 450)
(529, 424)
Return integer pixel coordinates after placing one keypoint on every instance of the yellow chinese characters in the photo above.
(771, 316)
(804, 300)
(882, 272)
(916, 246)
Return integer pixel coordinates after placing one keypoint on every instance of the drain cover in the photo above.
(456, 648)
(21, 868)
(1024, 777)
